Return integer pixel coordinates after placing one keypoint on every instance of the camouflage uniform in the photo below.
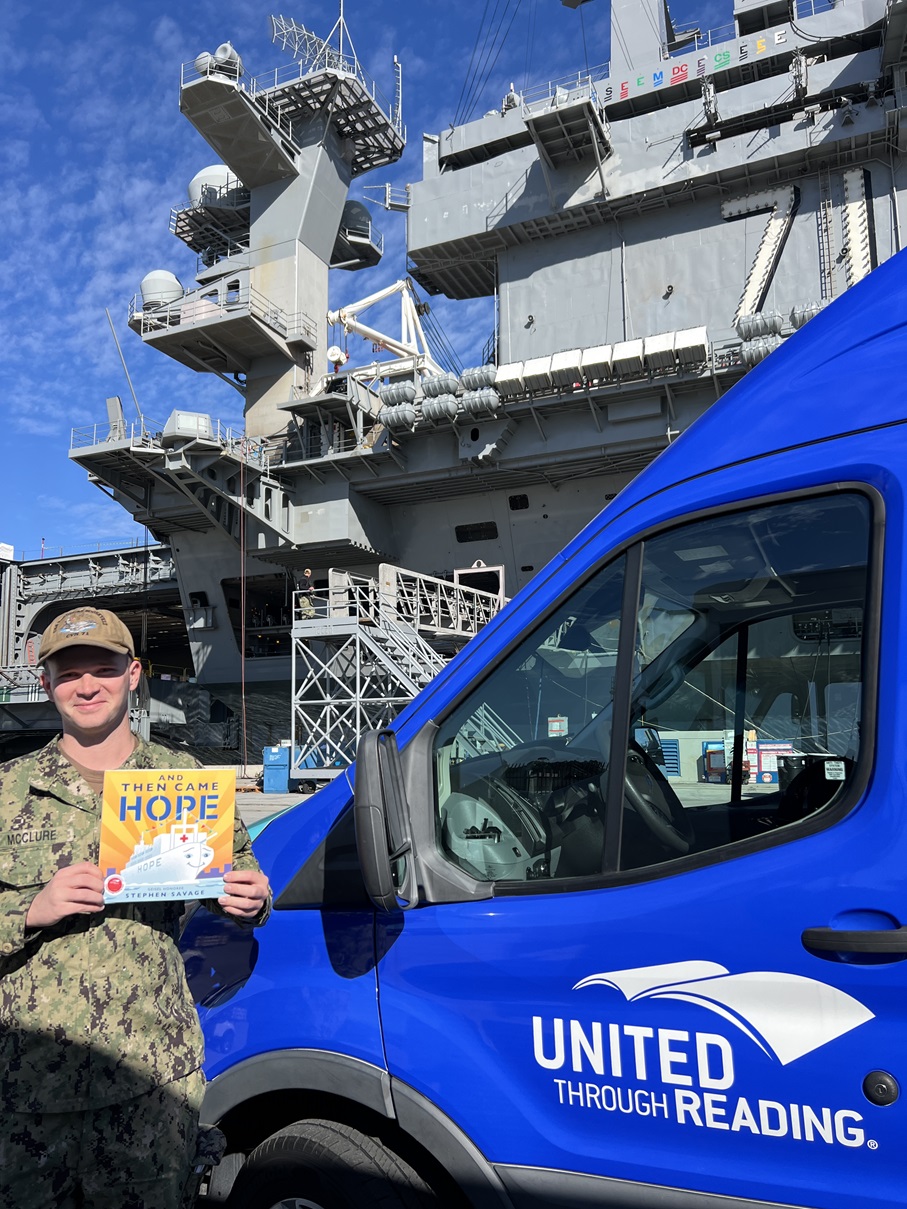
(95, 1013)
(134, 1155)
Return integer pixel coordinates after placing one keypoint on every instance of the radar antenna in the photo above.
(316, 53)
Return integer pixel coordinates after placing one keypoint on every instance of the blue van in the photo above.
(618, 913)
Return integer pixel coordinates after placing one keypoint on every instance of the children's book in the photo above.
(166, 833)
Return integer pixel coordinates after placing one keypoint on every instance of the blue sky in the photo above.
(95, 153)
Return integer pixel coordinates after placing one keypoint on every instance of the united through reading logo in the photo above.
(785, 1015)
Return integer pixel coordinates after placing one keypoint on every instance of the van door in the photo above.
(693, 981)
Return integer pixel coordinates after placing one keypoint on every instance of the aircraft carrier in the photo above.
(649, 230)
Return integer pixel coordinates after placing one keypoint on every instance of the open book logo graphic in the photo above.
(786, 1015)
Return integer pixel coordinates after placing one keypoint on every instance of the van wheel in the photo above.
(325, 1165)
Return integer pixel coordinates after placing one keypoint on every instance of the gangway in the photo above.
(369, 648)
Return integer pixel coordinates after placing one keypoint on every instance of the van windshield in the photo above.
(741, 668)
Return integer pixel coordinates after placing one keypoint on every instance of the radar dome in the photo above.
(214, 178)
(227, 60)
(160, 287)
(356, 217)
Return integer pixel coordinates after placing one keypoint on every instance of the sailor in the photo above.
(100, 1044)
(306, 595)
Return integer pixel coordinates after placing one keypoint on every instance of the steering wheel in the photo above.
(656, 803)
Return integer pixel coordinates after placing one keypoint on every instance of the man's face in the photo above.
(90, 688)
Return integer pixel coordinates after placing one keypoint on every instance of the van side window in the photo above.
(521, 795)
(742, 668)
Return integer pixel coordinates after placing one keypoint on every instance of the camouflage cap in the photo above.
(86, 627)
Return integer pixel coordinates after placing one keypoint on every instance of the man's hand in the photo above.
(247, 892)
(74, 890)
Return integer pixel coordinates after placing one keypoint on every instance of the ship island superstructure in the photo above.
(649, 229)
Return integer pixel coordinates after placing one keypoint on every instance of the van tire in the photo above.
(329, 1165)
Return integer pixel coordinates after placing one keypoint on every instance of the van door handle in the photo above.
(837, 940)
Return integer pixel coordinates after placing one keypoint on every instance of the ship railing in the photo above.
(222, 248)
(215, 300)
(20, 684)
(140, 434)
(360, 598)
(435, 606)
(234, 197)
(700, 39)
(250, 449)
(728, 33)
(191, 72)
(422, 602)
(725, 354)
(169, 671)
(146, 434)
(219, 243)
(564, 86)
(272, 110)
(109, 546)
(327, 59)
(299, 324)
(365, 231)
(391, 197)
(348, 596)
(59, 566)
(270, 451)
(318, 443)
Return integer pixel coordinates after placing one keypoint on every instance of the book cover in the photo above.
(166, 833)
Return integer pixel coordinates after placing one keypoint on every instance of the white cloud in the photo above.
(95, 152)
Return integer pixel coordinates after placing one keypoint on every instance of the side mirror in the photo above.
(396, 842)
(383, 839)
(648, 740)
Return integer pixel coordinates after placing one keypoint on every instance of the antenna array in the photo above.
(311, 51)
(318, 54)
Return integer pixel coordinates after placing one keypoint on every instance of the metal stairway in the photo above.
(406, 653)
(362, 653)
(486, 731)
